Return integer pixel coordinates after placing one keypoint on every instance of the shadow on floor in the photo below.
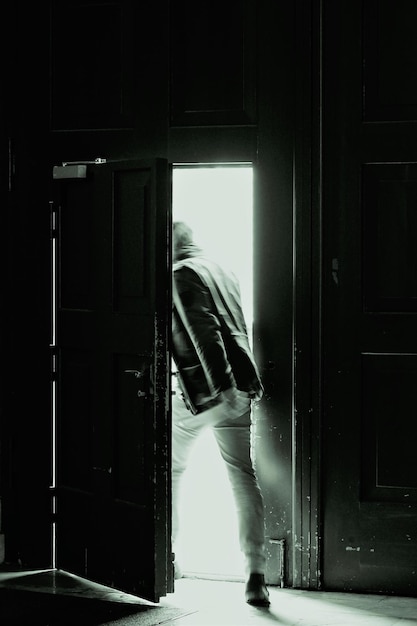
(50, 598)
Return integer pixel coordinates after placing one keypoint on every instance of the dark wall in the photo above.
(25, 313)
(176, 91)
(273, 280)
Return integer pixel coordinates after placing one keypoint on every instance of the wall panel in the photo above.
(213, 63)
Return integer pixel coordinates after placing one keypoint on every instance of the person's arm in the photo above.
(204, 329)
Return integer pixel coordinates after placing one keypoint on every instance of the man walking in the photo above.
(215, 382)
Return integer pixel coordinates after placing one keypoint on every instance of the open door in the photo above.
(112, 485)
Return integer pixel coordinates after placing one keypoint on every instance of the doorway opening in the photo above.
(216, 201)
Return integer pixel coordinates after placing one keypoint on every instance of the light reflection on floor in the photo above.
(218, 603)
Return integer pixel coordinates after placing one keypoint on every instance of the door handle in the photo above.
(136, 373)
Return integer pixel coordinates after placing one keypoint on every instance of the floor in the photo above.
(221, 604)
(218, 603)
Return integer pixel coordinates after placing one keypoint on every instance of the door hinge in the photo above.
(53, 361)
(52, 220)
(12, 165)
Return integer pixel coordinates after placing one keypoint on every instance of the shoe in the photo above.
(256, 592)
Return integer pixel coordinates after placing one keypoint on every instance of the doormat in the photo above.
(31, 608)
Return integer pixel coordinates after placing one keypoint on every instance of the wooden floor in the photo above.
(203, 602)
(222, 604)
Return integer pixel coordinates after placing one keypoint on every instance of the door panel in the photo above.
(370, 295)
(113, 321)
(92, 64)
(389, 471)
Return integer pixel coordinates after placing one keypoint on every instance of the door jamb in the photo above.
(306, 557)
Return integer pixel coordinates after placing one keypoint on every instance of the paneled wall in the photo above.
(191, 82)
(370, 291)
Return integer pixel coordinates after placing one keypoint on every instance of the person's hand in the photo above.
(230, 396)
(237, 401)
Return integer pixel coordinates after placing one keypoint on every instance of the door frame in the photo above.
(307, 300)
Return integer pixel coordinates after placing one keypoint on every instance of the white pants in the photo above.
(233, 436)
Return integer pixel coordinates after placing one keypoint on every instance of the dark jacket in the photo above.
(210, 343)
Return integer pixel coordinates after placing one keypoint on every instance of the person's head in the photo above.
(182, 237)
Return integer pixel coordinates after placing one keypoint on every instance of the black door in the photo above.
(370, 321)
(113, 401)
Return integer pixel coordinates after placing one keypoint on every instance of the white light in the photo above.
(217, 203)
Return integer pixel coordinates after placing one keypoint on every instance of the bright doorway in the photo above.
(217, 203)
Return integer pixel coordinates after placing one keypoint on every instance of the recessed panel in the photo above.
(75, 428)
(389, 237)
(390, 63)
(89, 65)
(131, 237)
(212, 63)
(132, 416)
(389, 414)
(75, 250)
